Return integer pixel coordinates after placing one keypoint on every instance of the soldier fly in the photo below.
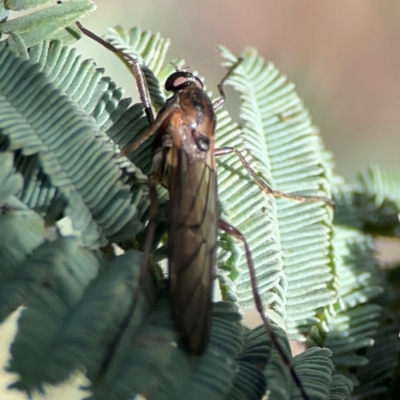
(184, 162)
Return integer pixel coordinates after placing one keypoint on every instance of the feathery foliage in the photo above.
(67, 203)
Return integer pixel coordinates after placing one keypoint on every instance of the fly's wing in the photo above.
(192, 236)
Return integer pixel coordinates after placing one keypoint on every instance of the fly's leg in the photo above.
(146, 102)
(141, 85)
(133, 63)
(264, 186)
(217, 104)
(151, 129)
(157, 161)
(154, 206)
(154, 179)
(228, 150)
(231, 230)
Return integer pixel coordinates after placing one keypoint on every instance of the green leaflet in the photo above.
(21, 5)
(61, 157)
(59, 273)
(290, 242)
(377, 199)
(381, 183)
(20, 234)
(50, 22)
(356, 333)
(10, 182)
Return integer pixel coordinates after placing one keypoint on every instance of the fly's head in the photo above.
(180, 80)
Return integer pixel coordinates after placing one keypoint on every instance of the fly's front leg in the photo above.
(217, 104)
(231, 230)
(154, 179)
(264, 186)
(158, 160)
(133, 63)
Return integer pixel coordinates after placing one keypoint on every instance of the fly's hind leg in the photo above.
(231, 230)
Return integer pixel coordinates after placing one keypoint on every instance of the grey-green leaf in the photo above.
(49, 22)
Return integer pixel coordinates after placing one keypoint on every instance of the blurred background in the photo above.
(343, 56)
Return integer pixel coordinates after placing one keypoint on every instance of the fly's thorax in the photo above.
(196, 104)
(197, 124)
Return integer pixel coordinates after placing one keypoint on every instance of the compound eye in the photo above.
(177, 80)
(202, 142)
(180, 79)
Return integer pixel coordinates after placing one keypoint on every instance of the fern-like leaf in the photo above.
(49, 22)
(290, 242)
(61, 156)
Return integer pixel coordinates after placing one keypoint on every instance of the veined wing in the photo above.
(192, 234)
